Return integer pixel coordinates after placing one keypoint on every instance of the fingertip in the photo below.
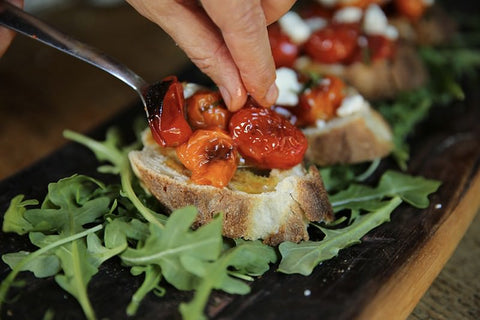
(272, 94)
(234, 99)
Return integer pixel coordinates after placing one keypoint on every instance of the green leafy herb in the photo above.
(305, 256)
(110, 150)
(57, 228)
(247, 257)
(446, 66)
(413, 190)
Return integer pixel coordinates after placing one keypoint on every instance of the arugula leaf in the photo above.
(247, 257)
(414, 190)
(57, 228)
(153, 275)
(109, 150)
(403, 114)
(303, 257)
(13, 220)
(168, 245)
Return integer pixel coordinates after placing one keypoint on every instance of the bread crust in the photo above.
(363, 136)
(380, 80)
(436, 27)
(280, 215)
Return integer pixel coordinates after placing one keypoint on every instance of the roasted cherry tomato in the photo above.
(333, 44)
(412, 9)
(266, 139)
(165, 104)
(377, 47)
(358, 3)
(320, 102)
(284, 51)
(206, 109)
(211, 157)
(381, 47)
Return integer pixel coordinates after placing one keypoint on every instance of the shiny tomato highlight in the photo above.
(206, 109)
(211, 157)
(333, 44)
(266, 139)
(284, 51)
(165, 104)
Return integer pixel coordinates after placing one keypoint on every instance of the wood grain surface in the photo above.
(42, 92)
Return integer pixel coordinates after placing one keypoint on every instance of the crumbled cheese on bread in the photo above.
(288, 87)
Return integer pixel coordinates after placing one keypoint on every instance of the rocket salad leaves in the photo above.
(167, 249)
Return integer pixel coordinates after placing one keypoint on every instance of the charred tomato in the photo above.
(165, 106)
(211, 157)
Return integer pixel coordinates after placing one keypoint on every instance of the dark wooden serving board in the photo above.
(382, 278)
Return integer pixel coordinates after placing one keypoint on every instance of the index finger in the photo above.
(243, 25)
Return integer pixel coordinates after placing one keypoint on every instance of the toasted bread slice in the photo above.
(276, 207)
(436, 27)
(380, 79)
(357, 137)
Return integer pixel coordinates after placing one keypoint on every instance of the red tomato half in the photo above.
(284, 51)
(333, 44)
(267, 139)
(165, 104)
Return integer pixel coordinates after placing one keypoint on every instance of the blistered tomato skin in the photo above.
(266, 139)
(166, 119)
(284, 51)
(211, 157)
(206, 109)
(320, 102)
(333, 44)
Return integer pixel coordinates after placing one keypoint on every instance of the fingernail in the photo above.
(272, 94)
(225, 95)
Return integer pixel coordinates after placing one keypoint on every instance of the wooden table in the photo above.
(43, 92)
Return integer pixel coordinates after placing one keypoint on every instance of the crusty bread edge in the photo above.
(362, 136)
(379, 80)
(276, 216)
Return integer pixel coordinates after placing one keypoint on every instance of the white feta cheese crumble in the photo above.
(375, 22)
(320, 123)
(294, 27)
(348, 15)
(391, 33)
(307, 293)
(352, 104)
(316, 23)
(438, 206)
(288, 87)
(189, 89)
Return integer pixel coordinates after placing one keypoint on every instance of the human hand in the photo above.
(7, 35)
(227, 40)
